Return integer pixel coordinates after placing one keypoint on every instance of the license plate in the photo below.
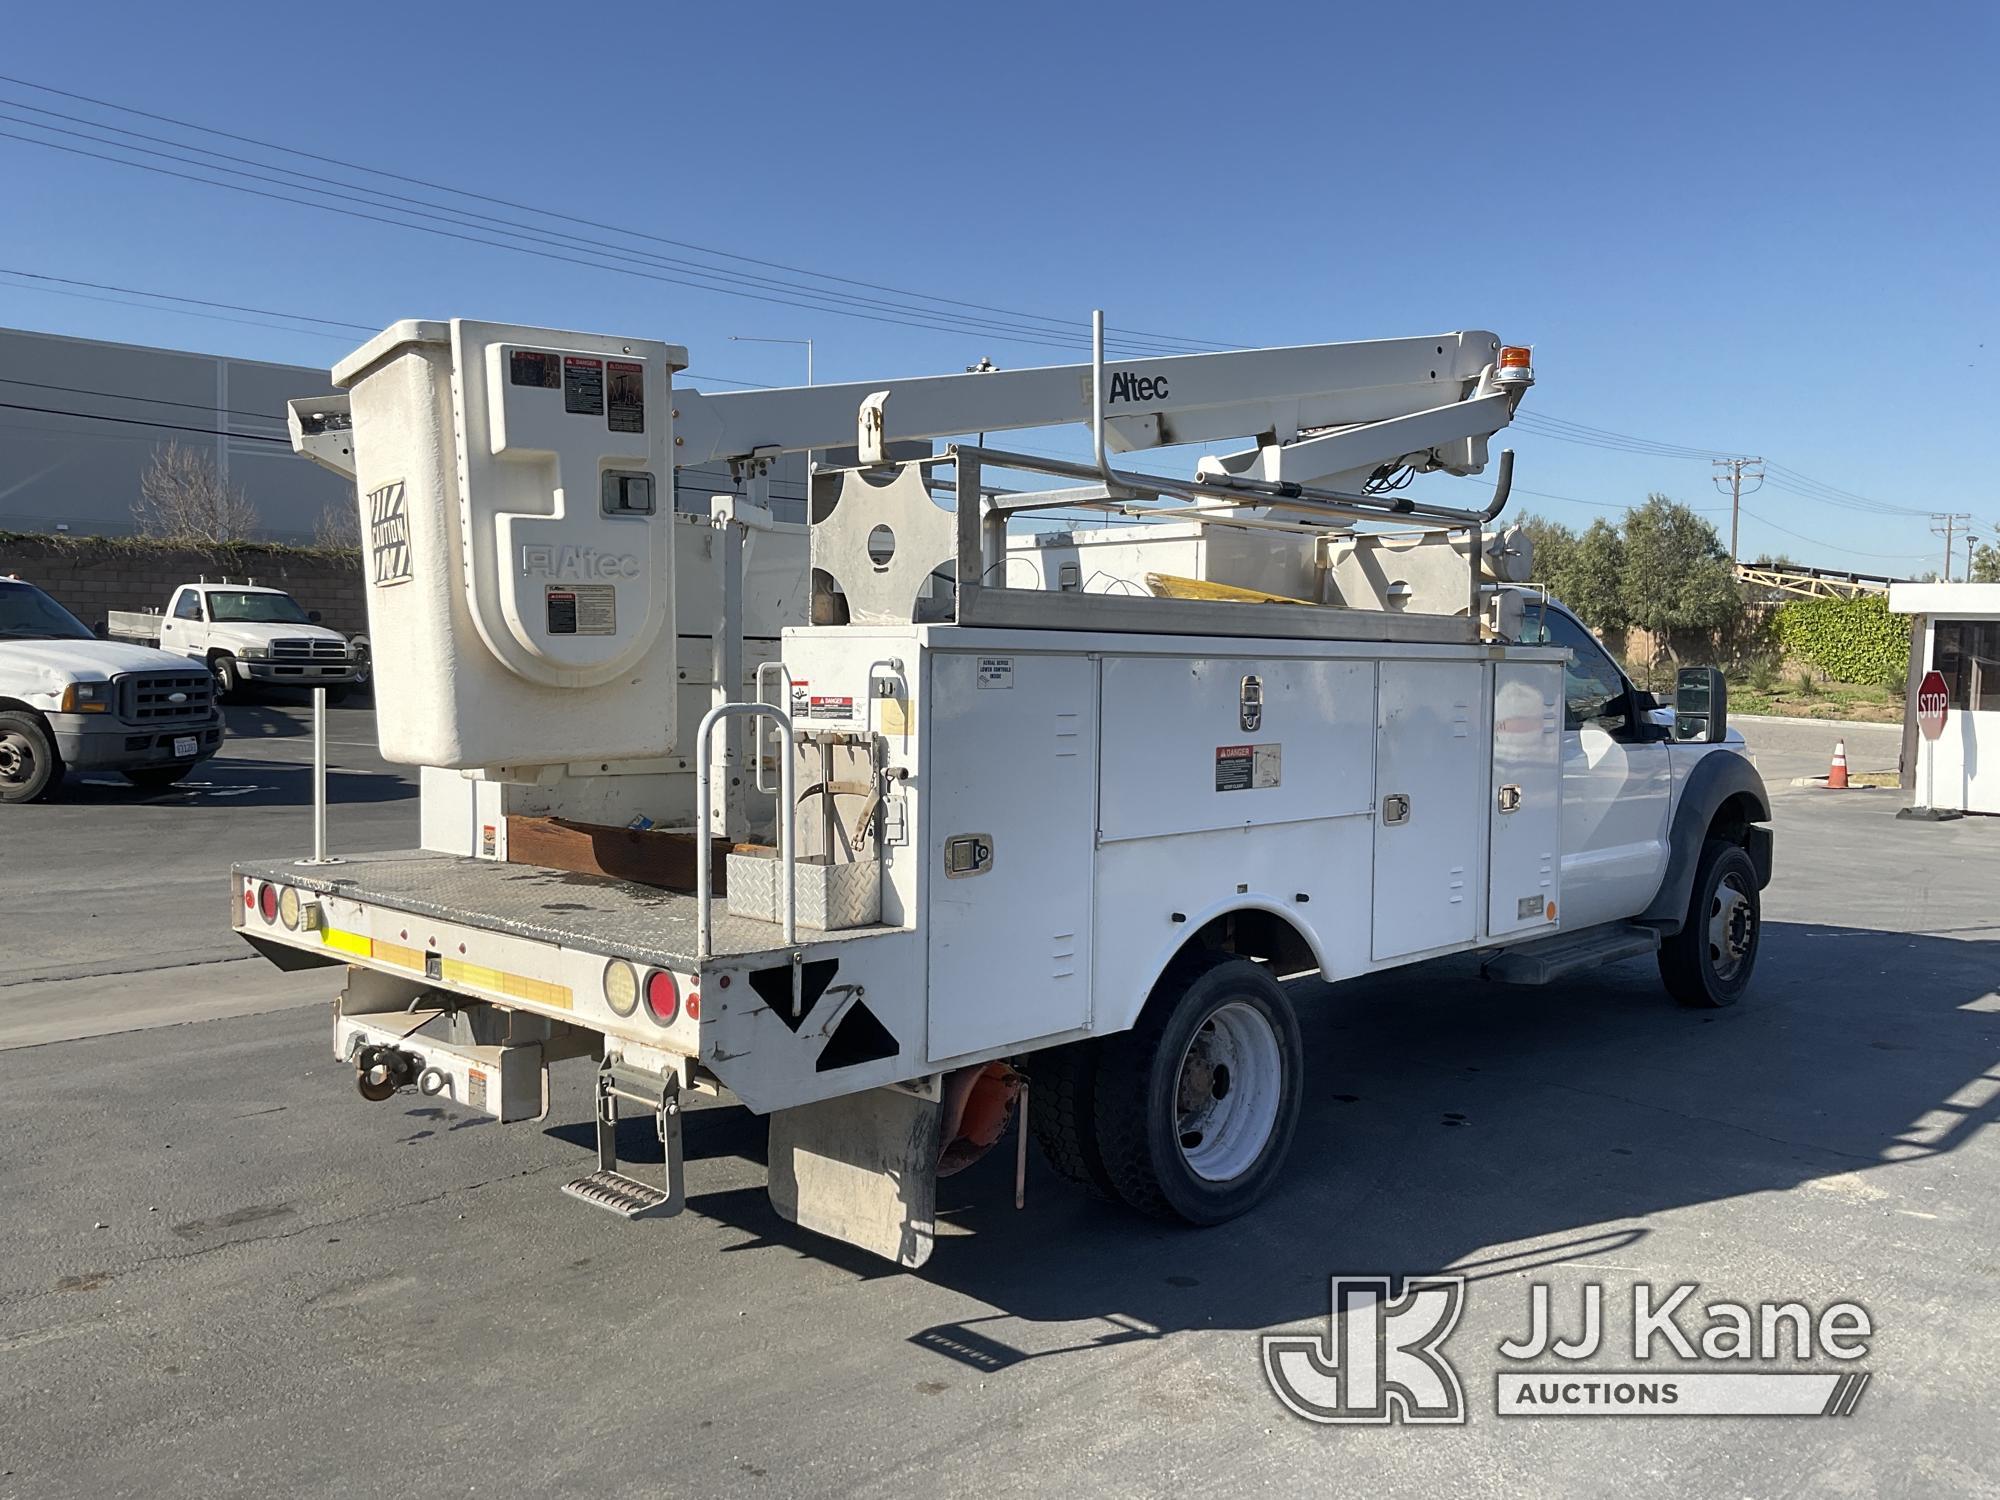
(186, 745)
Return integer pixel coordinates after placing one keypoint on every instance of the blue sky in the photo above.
(1755, 228)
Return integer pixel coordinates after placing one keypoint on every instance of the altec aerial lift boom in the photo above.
(988, 805)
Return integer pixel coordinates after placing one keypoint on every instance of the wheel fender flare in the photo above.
(1125, 1014)
(1715, 778)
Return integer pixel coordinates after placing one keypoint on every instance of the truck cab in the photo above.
(246, 634)
(69, 701)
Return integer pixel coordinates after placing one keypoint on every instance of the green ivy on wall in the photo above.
(1851, 640)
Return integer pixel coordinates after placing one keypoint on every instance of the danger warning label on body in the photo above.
(625, 396)
(583, 386)
(1243, 768)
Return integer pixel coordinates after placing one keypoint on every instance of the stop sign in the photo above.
(1932, 699)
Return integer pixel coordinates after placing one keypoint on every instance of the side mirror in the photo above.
(1701, 705)
(312, 617)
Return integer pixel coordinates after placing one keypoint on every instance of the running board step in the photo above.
(1551, 958)
(616, 1193)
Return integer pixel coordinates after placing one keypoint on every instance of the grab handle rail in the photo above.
(704, 875)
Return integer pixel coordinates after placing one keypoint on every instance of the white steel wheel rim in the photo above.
(1731, 928)
(1228, 1091)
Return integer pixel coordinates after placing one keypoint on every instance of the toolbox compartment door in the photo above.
(1010, 834)
(1525, 813)
(1432, 763)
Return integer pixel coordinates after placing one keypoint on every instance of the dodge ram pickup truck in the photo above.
(246, 634)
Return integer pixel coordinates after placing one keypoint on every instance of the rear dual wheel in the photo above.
(1190, 1114)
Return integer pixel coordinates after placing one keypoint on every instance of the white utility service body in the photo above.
(1057, 830)
(247, 632)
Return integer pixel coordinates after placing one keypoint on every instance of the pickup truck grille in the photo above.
(314, 650)
(161, 697)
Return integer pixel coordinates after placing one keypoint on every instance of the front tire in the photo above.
(228, 678)
(1195, 1106)
(1708, 963)
(30, 764)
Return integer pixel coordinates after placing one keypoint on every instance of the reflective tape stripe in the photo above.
(348, 942)
(455, 971)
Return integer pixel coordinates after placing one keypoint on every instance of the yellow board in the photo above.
(1172, 586)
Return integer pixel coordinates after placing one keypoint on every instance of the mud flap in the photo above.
(861, 1168)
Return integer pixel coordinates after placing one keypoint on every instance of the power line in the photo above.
(78, 390)
(198, 301)
(1069, 331)
(489, 224)
(91, 416)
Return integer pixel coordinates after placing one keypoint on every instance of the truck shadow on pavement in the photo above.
(1454, 1125)
(242, 783)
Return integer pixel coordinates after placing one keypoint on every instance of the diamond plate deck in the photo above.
(590, 912)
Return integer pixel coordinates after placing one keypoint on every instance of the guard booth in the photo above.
(1956, 633)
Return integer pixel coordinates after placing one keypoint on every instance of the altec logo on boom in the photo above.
(1381, 1359)
(1125, 386)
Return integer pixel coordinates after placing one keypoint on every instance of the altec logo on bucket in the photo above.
(1381, 1359)
(546, 560)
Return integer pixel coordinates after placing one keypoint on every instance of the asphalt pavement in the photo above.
(222, 1273)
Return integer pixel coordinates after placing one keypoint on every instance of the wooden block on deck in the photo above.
(652, 856)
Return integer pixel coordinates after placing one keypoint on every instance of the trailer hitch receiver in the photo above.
(379, 1071)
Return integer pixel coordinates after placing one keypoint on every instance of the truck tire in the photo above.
(158, 778)
(1709, 961)
(30, 765)
(228, 678)
(1196, 1105)
(1062, 1089)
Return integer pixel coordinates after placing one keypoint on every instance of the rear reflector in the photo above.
(267, 902)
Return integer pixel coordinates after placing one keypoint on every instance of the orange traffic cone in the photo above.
(1836, 774)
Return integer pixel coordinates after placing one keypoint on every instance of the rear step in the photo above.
(1551, 958)
(618, 1194)
(610, 1189)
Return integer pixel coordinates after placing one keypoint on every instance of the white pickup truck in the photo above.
(71, 701)
(245, 633)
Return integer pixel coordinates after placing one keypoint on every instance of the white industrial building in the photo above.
(80, 419)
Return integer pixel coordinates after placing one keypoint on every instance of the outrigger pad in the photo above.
(861, 1168)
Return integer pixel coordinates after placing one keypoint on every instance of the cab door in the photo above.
(180, 626)
(1617, 789)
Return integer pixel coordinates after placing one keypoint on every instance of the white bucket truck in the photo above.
(1049, 813)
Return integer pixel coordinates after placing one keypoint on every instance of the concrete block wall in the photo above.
(92, 576)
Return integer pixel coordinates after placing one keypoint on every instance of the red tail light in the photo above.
(267, 902)
(663, 996)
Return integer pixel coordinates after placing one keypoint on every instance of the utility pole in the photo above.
(1739, 469)
(1947, 524)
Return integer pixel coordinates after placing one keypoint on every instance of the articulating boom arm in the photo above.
(1432, 401)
